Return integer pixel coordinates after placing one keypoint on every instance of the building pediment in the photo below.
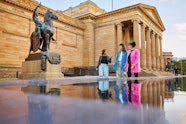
(152, 13)
(149, 11)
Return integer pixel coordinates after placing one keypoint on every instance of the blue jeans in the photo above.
(103, 70)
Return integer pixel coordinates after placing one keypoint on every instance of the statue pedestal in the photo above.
(32, 70)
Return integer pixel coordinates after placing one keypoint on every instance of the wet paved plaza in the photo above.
(94, 100)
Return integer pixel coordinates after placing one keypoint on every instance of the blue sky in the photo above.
(172, 13)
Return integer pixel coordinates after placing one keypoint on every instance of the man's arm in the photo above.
(35, 10)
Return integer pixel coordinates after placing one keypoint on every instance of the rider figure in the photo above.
(38, 23)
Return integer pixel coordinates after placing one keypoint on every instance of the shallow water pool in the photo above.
(94, 100)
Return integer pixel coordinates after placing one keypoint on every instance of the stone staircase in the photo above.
(146, 73)
(91, 70)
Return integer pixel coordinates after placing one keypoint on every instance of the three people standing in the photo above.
(125, 61)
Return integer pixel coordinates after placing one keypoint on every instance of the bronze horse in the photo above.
(46, 30)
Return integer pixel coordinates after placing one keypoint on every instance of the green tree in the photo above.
(181, 64)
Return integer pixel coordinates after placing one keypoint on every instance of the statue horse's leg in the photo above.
(50, 38)
(31, 43)
(45, 42)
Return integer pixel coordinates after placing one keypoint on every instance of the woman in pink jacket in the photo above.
(132, 65)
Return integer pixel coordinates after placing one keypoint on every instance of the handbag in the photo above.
(125, 74)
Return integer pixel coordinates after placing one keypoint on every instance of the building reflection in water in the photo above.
(152, 97)
(144, 97)
(148, 95)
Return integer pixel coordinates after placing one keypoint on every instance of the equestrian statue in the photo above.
(43, 34)
(41, 37)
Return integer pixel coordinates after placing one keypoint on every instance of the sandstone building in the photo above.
(81, 33)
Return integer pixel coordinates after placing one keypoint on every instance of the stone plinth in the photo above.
(32, 70)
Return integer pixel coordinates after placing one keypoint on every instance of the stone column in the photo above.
(144, 101)
(163, 84)
(143, 48)
(153, 51)
(161, 55)
(148, 49)
(157, 52)
(127, 35)
(89, 43)
(150, 101)
(136, 32)
(154, 89)
(159, 94)
(119, 33)
(144, 93)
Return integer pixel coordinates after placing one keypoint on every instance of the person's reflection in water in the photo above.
(134, 92)
(170, 85)
(177, 84)
(39, 112)
(103, 90)
(120, 92)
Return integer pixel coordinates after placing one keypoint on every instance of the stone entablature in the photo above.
(30, 5)
(168, 57)
(167, 54)
(138, 7)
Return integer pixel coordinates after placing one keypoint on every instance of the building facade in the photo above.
(81, 33)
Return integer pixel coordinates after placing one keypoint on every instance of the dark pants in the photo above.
(129, 71)
(130, 74)
(135, 74)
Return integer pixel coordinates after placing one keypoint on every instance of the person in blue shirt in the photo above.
(119, 64)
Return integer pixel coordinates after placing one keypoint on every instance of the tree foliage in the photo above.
(181, 65)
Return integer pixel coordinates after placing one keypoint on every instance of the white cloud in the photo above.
(174, 39)
(167, 0)
(180, 29)
(159, 0)
(163, 0)
(147, 1)
(173, 44)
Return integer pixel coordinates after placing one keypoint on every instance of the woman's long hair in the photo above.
(103, 51)
(132, 43)
(123, 47)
